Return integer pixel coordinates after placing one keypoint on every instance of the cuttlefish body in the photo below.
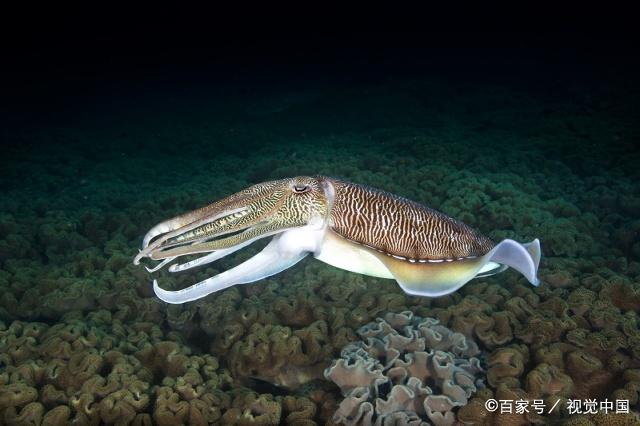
(349, 226)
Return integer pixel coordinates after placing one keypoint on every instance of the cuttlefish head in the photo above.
(227, 225)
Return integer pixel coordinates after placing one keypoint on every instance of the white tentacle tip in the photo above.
(159, 265)
(160, 293)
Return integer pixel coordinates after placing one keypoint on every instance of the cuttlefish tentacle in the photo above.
(160, 265)
(346, 225)
(250, 234)
(285, 250)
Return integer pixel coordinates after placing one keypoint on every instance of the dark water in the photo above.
(98, 147)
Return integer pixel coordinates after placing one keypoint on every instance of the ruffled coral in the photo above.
(507, 364)
(298, 411)
(548, 380)
(65, 258)
(101, 371)
(622, 295)
(408, 365)
(253, 409)
(280, 355)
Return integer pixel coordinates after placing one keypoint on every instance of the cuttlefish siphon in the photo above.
(349, 226)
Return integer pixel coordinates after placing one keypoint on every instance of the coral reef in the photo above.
(95, 369)
(407, 370)
(570, 343)
(82, 337)
(279, 355)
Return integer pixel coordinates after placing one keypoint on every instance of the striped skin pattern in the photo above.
(272, 201)
(349, 226)
(266, 208)
(263, 198)
(401, 228)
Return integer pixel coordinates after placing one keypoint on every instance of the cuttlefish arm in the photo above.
(350, 226)
(283, 251)
(293, 211)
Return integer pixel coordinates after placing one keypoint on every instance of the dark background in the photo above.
(48, 67)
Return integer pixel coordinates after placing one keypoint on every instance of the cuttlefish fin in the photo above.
(534, 250)
(438, 278)
(524, 258)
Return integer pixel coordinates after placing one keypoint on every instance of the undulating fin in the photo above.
(435, 279)
(431, 279)
(493, 266)
(350, 226)
(524, 258)
(490, 268)
(534, 250)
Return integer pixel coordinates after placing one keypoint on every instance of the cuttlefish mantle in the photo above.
(349, 226)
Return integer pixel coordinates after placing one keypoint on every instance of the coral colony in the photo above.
(360, 306)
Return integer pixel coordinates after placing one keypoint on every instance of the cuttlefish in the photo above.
(349, 226)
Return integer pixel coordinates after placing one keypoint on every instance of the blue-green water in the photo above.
(516, 143)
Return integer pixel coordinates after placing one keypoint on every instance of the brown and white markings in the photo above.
(349, 226)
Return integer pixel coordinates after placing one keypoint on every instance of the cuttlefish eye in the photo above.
(299, 189)
(425, 251)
